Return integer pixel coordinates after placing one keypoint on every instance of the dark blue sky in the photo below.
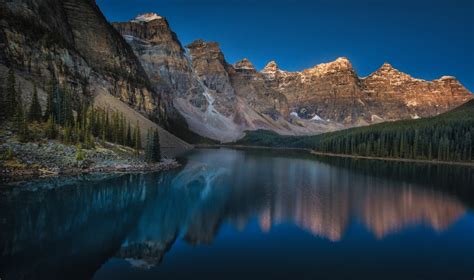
(426, 39)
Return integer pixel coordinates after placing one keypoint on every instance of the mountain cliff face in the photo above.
(72, 41)
(251, 86)
(220, 101)
(334, 92)
(162, 57)
(210, 66)
(194, 95)
(327, 91)
(400, 96)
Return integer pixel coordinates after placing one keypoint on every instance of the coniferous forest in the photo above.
(447, 137)
(82, 126)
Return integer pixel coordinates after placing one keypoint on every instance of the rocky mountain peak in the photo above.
(244, 64)
(196, 44)
(448, 78)
(386, 66)
(271, 67)
(388, 72)
(200, 47)
(147, 17)
(451, 85)
(200, 43)
(208, 52)
(150, 27)
(343, 60)
(341, 64)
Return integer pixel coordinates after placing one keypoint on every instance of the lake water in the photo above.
(244, 214)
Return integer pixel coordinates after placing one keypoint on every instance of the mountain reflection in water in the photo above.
(52, 230)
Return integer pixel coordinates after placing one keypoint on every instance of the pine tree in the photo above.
(107, 127)
(93, 121)
(34, 113)
(68, 117)
(129, 136)
(116, 127)
(67, 137)
(123, 130)
(51, 129)
(89, 140)
(138, 139)
(156, 146)
(10, 96)
(152, 150)
(149, 146)
(103, 126)
(2, 101)
(18, 115)
(79, 153)
(78, 133)
(19, 118)
(48, 113)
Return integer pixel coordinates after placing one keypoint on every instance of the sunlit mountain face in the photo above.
(53, 227)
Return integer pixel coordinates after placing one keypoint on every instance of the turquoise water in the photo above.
(244, 214)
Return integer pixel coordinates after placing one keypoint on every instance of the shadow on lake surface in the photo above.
(237, 214)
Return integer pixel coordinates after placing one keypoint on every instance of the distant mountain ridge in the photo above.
(221, 101)
(446, 137)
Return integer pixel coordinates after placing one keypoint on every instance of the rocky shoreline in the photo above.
(31, 173)
(23, 161)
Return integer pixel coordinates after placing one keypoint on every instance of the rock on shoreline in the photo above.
(52, 158)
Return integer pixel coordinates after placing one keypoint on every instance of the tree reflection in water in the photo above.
(67, 228)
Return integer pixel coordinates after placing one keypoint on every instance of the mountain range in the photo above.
(221, 101)
(192, 91)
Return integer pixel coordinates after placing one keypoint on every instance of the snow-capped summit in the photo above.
(146, 17)
(445, 78)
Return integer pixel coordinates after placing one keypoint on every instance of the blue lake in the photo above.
(244, 214)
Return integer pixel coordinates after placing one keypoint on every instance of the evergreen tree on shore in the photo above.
(19, 119)
(81, 127)
(10, 96)
(2, 101)
(65, 108)
(51, 129)
(148, 147)
(138, 139)
(152, 149)
(35, 113)
(48, 113)
(129, 140)
(156, 156)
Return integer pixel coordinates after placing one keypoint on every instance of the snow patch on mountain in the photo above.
(294, 114)
(376, 118)
(146, 17)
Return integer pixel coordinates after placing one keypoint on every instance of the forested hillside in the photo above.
(447, 137)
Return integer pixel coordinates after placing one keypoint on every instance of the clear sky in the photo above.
(424, 38)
